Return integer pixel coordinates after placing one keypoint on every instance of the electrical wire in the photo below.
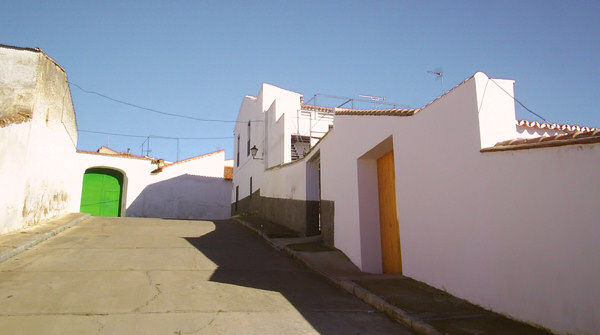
(155, 136)
(155, 110)
(519, 102)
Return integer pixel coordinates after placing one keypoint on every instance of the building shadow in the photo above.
(243, 259)
(187, 197)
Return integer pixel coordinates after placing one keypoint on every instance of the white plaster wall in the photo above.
(515, 231)
(210, 165)
(188, 190)
(13, 159)
(184, 197)
(273, 109)
(36, 155)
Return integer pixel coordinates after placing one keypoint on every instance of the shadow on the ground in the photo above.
(244, 260)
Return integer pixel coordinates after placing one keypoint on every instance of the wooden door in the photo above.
(388, 217)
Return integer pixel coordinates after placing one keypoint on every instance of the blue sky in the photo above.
(200, 58)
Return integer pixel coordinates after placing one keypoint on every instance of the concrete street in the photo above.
(154, 276)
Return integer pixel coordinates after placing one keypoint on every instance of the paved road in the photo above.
(153, 276)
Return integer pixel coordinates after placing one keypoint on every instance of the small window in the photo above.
(248, 146)
(250, 185)
(237, 197)
(238, 151)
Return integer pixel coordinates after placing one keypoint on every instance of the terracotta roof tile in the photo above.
(228, 172)
(394, 111)
(377, 112)
(579, 137)
(318, 108)
(15, 118)
(553, 126)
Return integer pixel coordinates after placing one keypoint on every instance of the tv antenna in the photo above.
(439, 75)
(375, 99)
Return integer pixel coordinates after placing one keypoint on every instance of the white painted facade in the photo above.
(275, 115)
(513, 231)
(41, 173)
(189, 189)
(35, 150)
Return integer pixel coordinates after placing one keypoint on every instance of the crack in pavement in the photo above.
(157, 292)
(196, 331)
(100, 324)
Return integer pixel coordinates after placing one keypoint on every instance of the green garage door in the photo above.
(101, 193)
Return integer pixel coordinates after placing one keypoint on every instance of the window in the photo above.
(250, 185)
(248, 149)
(238, 151)
(237, 197)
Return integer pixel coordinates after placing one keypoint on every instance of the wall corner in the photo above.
(496, 109)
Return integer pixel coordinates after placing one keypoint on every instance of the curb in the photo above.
(42, 237)
(377, 302)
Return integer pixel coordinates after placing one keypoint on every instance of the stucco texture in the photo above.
(513, 231)
(36, 150)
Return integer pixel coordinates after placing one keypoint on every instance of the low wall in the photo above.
(184, 197)
(327, 223)
(299, 215)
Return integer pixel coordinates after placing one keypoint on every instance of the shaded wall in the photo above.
(298, 215)
(184, 197)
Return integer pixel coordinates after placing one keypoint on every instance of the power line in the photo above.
(152, 109)
(519, 102)
(154, 136)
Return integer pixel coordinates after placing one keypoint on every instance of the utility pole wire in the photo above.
(154, 110)
(517, 100)
(155, 136)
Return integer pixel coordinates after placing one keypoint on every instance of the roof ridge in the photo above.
(397, 111)
(193, 158)
(119, 154)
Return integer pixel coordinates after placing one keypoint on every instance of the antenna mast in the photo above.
(373, 98)
(439, 75)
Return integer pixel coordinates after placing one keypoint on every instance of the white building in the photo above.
(283, 130)
(38, 138)
(457, 194)
(193, 188)
(43, 175)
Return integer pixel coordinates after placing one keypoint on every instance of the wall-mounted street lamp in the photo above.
(254, 151)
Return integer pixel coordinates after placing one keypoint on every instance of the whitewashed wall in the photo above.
(516, 231)
(35, 155)
(272, 109)
(193, 189)
(279, 116)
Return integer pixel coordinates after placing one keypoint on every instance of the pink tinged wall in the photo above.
(513, 231)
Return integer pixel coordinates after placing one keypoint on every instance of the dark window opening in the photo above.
(248, 146)
(250, 185)
(238, 151)
(237, 197)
